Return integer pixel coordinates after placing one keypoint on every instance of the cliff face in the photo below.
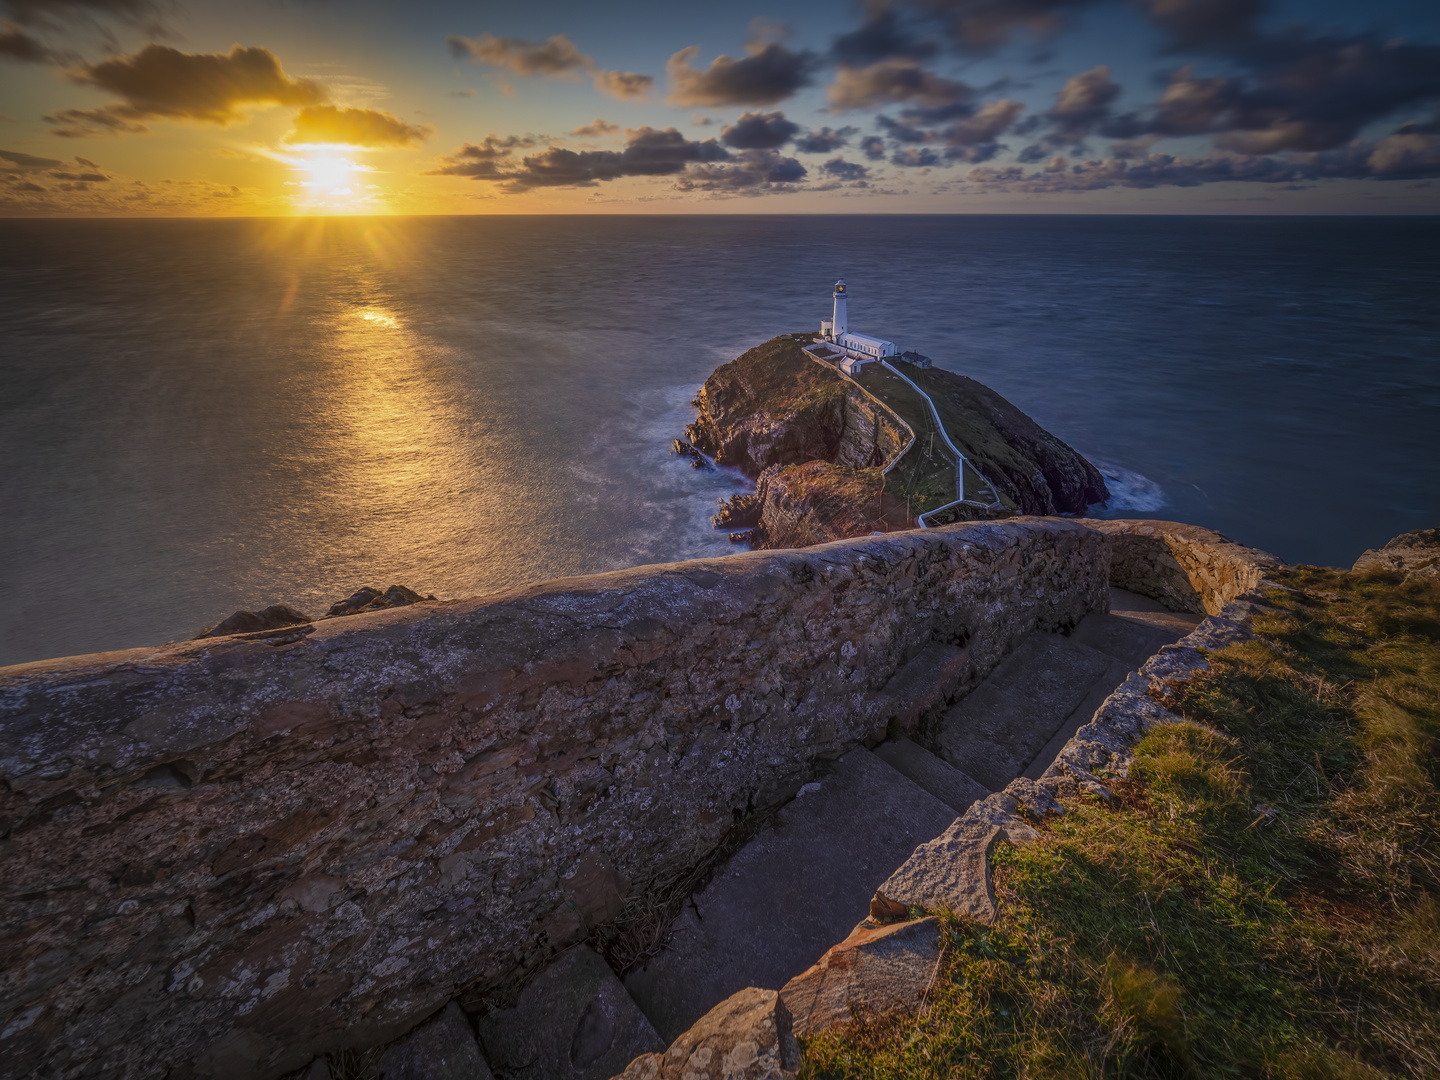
(1040, 473)
(776, 406)
(815, 502)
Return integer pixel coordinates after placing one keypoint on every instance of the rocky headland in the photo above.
(816, 441)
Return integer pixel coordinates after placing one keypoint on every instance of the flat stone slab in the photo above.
(947, 783)
(996, 731)
(796, 889)
(1123, 600)
(442, 1048)
(574, 1021)
(1134, 636)
(1083, 713)
(875, 972)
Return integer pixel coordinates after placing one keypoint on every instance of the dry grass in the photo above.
(1263, 900)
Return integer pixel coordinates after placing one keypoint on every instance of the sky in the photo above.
(286, 107)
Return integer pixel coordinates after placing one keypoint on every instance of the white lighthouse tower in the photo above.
(839, 324)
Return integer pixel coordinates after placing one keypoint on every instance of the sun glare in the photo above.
(330, 174)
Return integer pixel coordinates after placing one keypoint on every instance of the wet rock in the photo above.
(738, 511)
(273, 617)
(368, 599)
(442, 1048)
(746, 1037)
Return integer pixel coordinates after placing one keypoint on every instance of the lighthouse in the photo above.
(852, 351)
(838, 325)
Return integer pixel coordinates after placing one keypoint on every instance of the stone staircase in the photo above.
(801, 884)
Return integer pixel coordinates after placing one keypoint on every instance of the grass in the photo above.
(925, 478)
(1260, 899)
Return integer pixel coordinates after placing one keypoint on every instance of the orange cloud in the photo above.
(159, 81)
(354, 127)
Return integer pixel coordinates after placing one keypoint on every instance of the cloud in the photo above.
(89, 177)
(461, 93)
(1196, 24)
(767, 74)
(623, 85)
(891, 81)
(15, 44)
(161, 82)
(556, 57)
(841, 169)
(825, 140)
(1082, 105)
(981, 26)
(596, 127)
(759, 131)
(28, 161)
(754, 172)
(881, 37)
(354, 127)
(55, 12)
(873, 147)
(648, 152)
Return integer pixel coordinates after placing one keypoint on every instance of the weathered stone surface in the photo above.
(1185, 567)
(746, 1037)
(257, 853)
(875, 972)
(1413, 554)
(573, 1022)
(994, 732)
(947, 783)
(951, 872)
(924, 686)
(1133, 638)
(791, 892)
(442, 1048)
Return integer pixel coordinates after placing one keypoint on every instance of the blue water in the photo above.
(198, 416)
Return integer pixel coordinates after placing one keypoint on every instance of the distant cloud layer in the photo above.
(161, 82)
(768, 73)
(556, 57)
(354, 127)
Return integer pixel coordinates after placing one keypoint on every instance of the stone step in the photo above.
(789, 894)
(1133, 637)
(573, 1021)
(1114, 674)
(923, 685)
(947, 783)
(995, 732)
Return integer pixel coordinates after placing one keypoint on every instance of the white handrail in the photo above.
(897, 417)
(940, 427)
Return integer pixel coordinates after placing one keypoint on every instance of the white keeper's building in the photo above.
(860, 349)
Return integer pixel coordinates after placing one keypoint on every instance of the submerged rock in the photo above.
(249, 622)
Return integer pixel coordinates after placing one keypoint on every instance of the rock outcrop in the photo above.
(251, 622)
(776, 406)
(1412, 555)
(802, 505)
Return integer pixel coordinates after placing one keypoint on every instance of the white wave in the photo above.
(1129, 490)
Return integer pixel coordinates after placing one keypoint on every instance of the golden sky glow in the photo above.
(204, 107)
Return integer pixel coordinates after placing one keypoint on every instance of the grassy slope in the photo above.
(925, 477)
(1263, 901)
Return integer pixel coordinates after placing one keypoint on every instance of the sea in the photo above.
(199, 416)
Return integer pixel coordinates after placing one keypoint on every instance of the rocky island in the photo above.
(837, 456)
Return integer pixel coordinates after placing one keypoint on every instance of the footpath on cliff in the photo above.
(815, 442)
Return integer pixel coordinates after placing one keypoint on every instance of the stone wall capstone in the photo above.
(224, 857)
(1185, 567)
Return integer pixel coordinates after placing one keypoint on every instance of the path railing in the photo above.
(896, 416)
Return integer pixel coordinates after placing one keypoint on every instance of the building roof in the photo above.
(864, 339)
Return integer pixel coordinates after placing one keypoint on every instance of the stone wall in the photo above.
(223, 857)
(1185, 567)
